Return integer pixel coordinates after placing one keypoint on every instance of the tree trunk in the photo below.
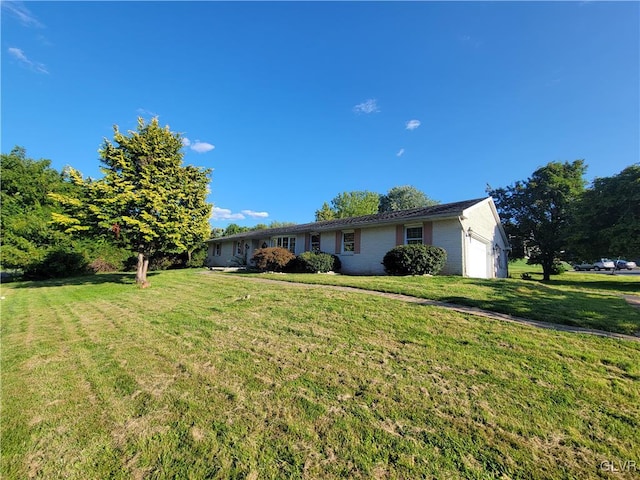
(139, 278)
(145, 267)
(547, 267)
(141, 270)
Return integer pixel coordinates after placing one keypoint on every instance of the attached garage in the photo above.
(469, 231)
(477, 258)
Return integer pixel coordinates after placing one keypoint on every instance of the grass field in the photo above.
(216, 376)
(584, 300)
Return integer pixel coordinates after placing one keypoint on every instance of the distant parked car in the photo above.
(623, 264)
(586, 266)
(604, 264)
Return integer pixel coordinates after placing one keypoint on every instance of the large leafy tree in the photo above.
(404, 198)
(233, 229)
(537, 212)
(607, 220)
(325, 213)
(26, 210)
(148, 200)
(349, 204)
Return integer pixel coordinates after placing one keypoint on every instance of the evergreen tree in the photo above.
(147, 199)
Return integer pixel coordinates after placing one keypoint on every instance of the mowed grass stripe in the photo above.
(568, 300)
(224, 379)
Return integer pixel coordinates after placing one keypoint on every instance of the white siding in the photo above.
(451, 234)
(481, 220)
(225, 257)
(374, 243)
(447, 234)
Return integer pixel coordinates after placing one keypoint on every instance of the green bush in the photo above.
(316, 262)
(57, 263)
(161, 261)
(274, 259)
(557, 268)
(198, 257)
(103, 256)
(414, 260)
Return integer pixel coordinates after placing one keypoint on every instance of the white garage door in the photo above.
(477, 259)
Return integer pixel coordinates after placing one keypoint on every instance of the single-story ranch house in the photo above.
(470, 231)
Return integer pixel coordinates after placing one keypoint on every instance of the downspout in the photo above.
(464, 248)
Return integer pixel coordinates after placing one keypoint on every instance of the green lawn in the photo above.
(215, 376)
(578, 299)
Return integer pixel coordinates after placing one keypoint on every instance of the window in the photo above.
(239, 250)
(218, 249)
(413, 235)
(348, 242)
(315, 242)
(284, 242)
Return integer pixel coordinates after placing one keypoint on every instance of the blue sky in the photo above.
(292, 103)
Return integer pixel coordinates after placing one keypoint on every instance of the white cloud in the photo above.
(400, 152)
(22, 13)
(149, 113)
(368, 106)
(24, 60)
(202, 147)
(252, 214)
(197, 146)
(225, 214)
(470, 41)
(413, 124)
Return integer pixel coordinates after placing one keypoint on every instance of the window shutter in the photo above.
(307, 242)
(427, 233)
(399, 235)
(338, 242)
(357, 234)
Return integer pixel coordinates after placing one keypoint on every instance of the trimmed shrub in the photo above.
(274, 259)
(414, 260)
(316, 262)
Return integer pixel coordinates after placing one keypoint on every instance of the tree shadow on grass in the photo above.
(631, 286)
(605, 282)
(586, 308)
(94, 279)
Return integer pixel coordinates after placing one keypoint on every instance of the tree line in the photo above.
(553, 216)
(149, 211)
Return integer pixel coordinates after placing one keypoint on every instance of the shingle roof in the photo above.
(445, 210)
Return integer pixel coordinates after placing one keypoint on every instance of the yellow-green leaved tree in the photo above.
(148, 200)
